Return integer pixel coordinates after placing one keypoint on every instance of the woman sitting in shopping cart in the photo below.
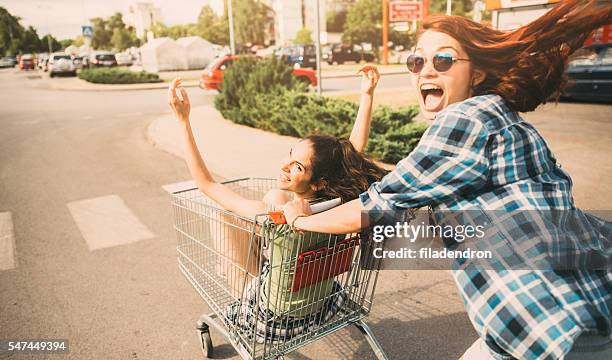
(319, 168)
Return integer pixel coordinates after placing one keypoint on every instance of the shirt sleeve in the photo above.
(449, 160)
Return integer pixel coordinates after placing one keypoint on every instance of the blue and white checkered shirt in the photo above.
(479, 154)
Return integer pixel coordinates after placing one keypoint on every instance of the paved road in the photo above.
(67, 157)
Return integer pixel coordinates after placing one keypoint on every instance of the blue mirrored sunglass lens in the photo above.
(443, 61)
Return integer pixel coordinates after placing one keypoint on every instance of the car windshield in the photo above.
(584, 57)
(57, 57)
(105, 57)
(215, 63)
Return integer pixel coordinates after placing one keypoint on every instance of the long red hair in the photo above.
(526, 66)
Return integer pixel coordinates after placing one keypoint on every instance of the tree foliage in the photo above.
(113, 33)
(251, 19)
(303, 37)
(364, 25)
(335, 21)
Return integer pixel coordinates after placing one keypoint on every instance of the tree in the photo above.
(49, 40)
(66, 42)
(251, 21)
(211, 27)
(121, 39)
(303, 37)
(11, 32)
(459, 7)
(335, 20)
(102, 36)
(30, 43)
(364, 23)
(78, 41)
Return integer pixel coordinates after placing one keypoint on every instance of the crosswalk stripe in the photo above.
(7, 242)
(107, 221)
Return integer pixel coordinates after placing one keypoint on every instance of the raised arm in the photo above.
(361, 129)
(227, 198)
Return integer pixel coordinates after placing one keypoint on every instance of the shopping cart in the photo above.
(222, 255)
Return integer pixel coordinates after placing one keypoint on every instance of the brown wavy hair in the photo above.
(341, 171)
(526, 66)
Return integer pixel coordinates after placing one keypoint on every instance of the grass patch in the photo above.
(117, 76)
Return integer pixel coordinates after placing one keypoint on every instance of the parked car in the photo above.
(123, 59)
(299, 56)
(590, 74)
(26, 62)
(42, 62)
(60, 63)
(103, 59)
(79, 62)
(212, 76)
(340, 53)
(6, 62)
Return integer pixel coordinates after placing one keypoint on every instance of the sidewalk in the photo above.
(76, 84)
(230, 150)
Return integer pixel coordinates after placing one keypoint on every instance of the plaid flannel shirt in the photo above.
(479, 154)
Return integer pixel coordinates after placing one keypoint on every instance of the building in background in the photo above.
(290, 16)
(141, 16)
(512, 14)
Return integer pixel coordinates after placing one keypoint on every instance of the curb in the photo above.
(111, 87)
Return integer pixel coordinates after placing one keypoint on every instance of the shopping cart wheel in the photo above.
(207, 346)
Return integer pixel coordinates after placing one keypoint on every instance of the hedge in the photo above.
(117, 76)
(263, 94)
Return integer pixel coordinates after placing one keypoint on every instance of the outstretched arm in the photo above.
(361, 129)
(227, 198)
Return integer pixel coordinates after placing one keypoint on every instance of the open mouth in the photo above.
(283, 177)
(432, 96)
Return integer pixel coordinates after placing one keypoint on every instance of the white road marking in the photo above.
(179, 186)
(7, 242)
(107, 221)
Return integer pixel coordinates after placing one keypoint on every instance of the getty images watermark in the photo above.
(411, 232)
(565, 239)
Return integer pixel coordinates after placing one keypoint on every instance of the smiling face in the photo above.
(296, 174)
(438, 90)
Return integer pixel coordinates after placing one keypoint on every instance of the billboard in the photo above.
(405, 11)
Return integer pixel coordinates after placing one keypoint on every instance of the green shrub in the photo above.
(248, 77)
(263, 94)
(117, 76)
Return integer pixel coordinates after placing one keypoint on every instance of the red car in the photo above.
(212, 76)
(26, 62)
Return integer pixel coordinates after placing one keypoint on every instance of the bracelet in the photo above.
(292, 225)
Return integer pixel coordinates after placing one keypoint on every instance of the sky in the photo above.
(63, 18)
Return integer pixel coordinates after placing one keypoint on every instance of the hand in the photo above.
(296, 208)
(369, 79)
(180, 107)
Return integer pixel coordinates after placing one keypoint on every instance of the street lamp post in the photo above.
(231, 27)
(318, 49)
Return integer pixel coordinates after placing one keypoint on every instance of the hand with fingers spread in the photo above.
(179, 103)
(369, 78)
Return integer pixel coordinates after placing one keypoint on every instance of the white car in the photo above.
(61, 63)
(123, 59)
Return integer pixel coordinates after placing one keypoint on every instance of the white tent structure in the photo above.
(70, 50)
(163, 54)
(199, 51)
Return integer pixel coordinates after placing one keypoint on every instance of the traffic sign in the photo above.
(87, 31)
(405, 11)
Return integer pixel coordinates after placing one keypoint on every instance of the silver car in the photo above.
(61, 63)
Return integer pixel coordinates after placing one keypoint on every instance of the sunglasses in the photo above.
(442, 62)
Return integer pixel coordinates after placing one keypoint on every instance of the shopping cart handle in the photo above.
(278, 217)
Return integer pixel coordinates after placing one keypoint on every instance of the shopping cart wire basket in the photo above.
(270, 290)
